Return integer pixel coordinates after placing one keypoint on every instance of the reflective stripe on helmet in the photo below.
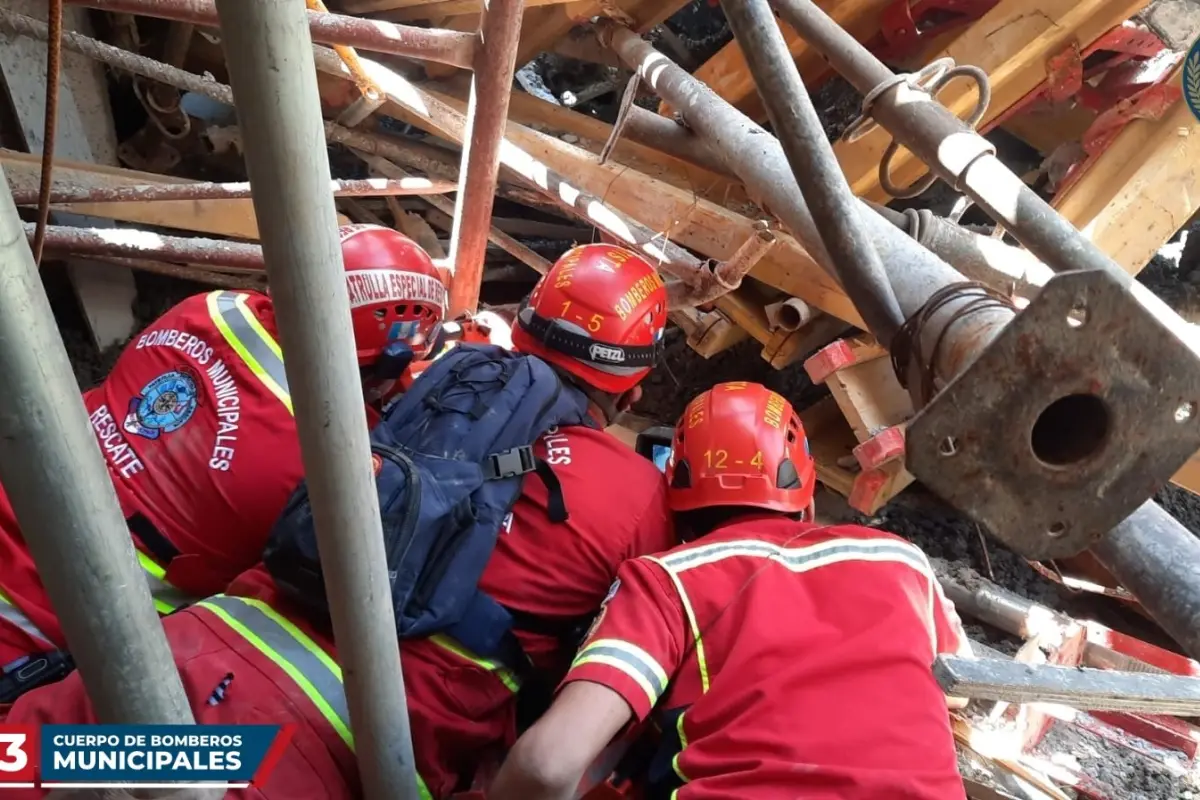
(167, 598)
(310, 668)
(250, 340)
(14, 616)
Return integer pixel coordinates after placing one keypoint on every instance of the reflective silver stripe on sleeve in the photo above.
(253, 344)
(310, 667)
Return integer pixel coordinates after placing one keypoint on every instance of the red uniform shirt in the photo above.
(461, 708)
(786, 660)
(195, 425)
(617, 502)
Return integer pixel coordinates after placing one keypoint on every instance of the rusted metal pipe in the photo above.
(815, 169)
(413, 154)
(196, 275)
(559, 192)
(727, 275)
(958, 154)
(757, 159)
(670, 137)
(145, 193)
(487, 114)
(235, 191)
(455, 48)
(132, 243)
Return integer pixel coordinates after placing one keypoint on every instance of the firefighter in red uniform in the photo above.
(553, 577)
(781, 659)
(195, 423)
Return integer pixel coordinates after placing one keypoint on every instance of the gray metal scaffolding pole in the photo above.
(818, 176)
(269, 53)
(951, 148)
(56, 479)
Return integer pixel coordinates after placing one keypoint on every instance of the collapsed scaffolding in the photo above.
(1092, 431)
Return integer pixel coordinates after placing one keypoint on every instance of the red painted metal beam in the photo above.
(487, 116)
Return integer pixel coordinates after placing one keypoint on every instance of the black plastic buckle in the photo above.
(510, 463)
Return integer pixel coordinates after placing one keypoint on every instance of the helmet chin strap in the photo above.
(379, 378)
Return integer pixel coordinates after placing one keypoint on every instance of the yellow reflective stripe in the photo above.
(305, 685)
(14, 615)
(682, 745)
(256, 325)
(505, 675)
(166, 597)
(331, 700)
(150, 565)
(701, 661)
(245, 318)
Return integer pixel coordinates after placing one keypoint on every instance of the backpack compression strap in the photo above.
(521, 461)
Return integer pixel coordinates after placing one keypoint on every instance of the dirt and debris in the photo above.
(1130, 776)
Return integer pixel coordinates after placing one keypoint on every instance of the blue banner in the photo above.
(141, 754)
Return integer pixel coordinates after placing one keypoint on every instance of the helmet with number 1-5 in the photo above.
(599, 314)
(396, 293)
(740, 444)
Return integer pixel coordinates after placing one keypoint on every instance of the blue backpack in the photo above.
(450, 458)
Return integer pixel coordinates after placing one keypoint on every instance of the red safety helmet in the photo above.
(740, 444)
(396, 293)
(599, 314)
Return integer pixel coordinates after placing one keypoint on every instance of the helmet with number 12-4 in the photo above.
(396, 293)
(599, 314)
(740, 444)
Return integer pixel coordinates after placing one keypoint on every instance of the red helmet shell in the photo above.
(396, 293)
(740, 444)
(605, 296)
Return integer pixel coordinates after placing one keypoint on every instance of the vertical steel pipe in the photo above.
(487, 115)
(815, 170)
(269, 53)
(953, 150)
(55, 476)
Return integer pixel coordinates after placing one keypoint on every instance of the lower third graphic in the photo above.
(139, 756)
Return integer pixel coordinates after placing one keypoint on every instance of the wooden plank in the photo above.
(233, 218)
(593, 133)
(1045, 129)
(831, 441)
(409, 10)
(540, 27)
(728, 75)
(1077, 687)
(678, 214)
(1011, 43)
(1141, 190)
(870, 397)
